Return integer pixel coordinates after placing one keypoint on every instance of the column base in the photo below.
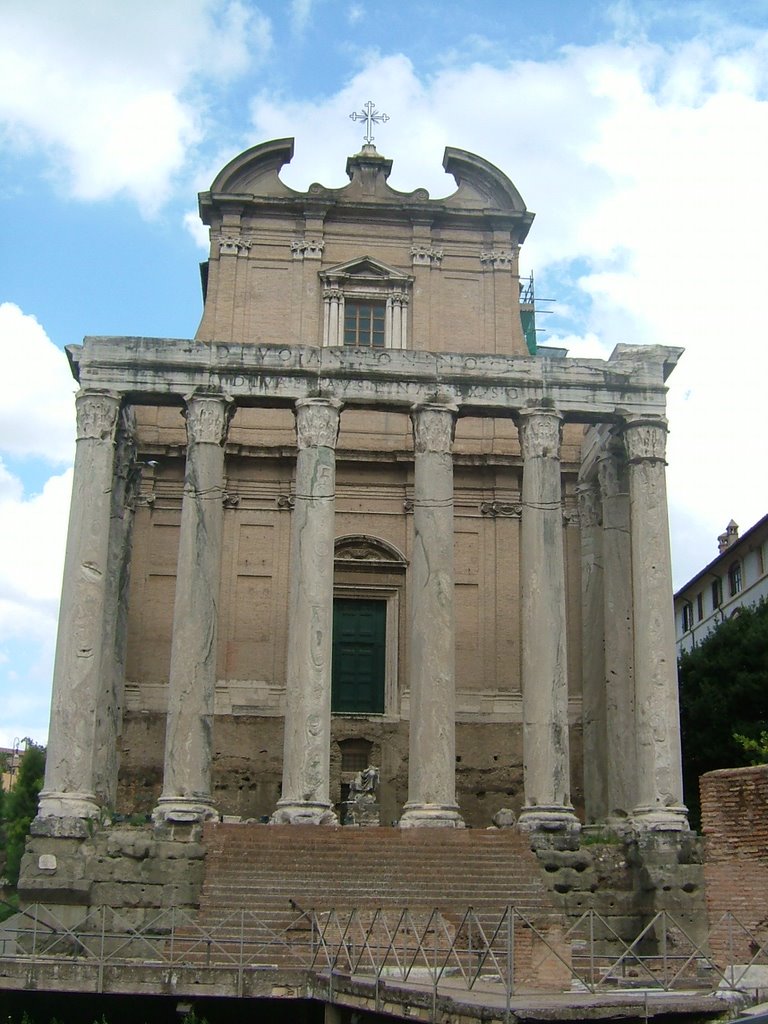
(659, 819)
(303, 813)
(180, 810)
(431, 816)
(555, 825)
(79, 806)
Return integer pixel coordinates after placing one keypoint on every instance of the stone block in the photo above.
(125, 894)
(191, 850)
(181, 894)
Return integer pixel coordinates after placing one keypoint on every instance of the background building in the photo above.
(738, 576)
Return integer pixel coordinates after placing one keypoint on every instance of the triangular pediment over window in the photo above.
(364, 269)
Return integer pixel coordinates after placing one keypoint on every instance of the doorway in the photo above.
(359, 656)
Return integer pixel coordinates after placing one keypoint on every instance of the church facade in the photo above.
(359, 520)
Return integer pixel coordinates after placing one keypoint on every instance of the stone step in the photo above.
(262, 868)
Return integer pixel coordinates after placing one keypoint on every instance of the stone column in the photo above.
(432, 740)
(186, 792)
(593, 653)
(69, 792)
(657, 718)
(109, 716)
(619, 657)
(306, 755)
(546, 758)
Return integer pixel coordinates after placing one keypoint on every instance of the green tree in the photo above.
(723, 694)
(20, 807)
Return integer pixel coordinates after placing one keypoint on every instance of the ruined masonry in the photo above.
(360, 520)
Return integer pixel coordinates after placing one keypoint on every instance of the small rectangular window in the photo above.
(364, 324)
(735, 579)
(717, 593)
(687, 617)
(699, 606)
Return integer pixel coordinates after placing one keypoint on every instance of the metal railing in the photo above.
(505, 953)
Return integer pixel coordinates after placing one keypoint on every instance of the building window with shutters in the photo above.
(687, 616)
(735, 582)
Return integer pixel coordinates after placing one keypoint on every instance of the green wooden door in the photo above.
(359, 632)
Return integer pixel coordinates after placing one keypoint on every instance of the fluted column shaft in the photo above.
(187, 770)
(306, 755)
(69, 791)
(546, 754)
(657, 718)
(432, 740)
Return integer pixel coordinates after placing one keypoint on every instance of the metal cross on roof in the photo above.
(371, 116)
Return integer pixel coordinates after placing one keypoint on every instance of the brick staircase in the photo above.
(261, 879)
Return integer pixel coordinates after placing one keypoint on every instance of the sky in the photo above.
(636, 130)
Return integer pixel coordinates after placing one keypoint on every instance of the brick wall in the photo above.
(734, 807)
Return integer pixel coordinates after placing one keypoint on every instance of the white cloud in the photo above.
(301, 13)
(32, 538)
(199, 232)
(36, 421)
(37, 410)
(108, 90)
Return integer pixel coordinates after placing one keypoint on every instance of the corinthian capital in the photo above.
(433, 427)
(97, 414)
(646, 440)
(612, 469)
(590, 511)
(208, 418)
(540, 432)
(317, 422)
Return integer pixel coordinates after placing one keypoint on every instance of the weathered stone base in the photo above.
(660, 819)
(68, 806)
(133, 869)
(431, 816)
(184, 811)
(304, 814)
(555, 826)
(627, 881)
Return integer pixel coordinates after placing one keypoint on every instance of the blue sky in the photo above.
(638, 135)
